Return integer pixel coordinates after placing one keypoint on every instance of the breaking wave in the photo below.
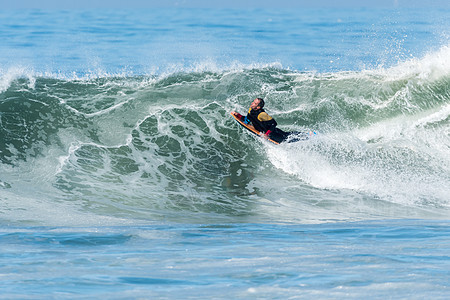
(126, 148)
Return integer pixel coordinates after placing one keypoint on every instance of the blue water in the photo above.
(393, 259)
(122, 174)
(146, 42)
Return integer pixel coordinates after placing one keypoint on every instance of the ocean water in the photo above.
(122, 174)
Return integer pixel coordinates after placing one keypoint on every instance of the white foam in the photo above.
(391, 168)
(8, 76)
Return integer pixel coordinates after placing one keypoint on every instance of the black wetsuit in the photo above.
(266, 124)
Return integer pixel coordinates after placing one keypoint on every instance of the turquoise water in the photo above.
(123, 175)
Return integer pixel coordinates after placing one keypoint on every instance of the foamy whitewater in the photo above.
(122, 174)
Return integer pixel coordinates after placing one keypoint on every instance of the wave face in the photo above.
(132, 149)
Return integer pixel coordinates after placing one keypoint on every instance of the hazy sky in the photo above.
(71, 4)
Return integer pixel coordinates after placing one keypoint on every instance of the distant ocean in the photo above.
(123, 176)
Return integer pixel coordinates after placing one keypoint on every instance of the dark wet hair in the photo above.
(261, 102)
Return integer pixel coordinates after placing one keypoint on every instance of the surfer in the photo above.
(262, 122)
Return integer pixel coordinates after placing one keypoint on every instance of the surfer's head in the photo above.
(258, 103)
